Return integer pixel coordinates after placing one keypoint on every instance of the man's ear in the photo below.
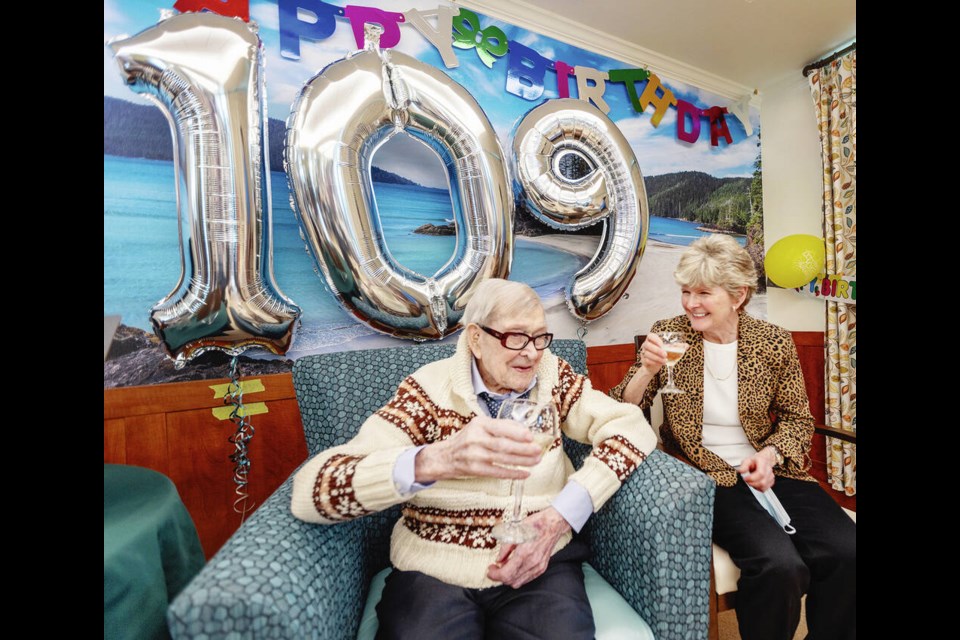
(473, 339)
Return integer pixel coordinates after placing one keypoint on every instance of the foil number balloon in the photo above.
(574, 168)
(205, 72)
(340, 119)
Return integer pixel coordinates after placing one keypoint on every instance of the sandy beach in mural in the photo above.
(653, 294)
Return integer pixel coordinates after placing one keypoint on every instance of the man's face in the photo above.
(503, 369)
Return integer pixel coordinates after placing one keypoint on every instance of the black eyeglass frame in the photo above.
(503, 337)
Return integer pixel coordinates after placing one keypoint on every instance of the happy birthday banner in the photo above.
(526, 68)
(834, 288)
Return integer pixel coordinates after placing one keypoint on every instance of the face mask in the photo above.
(769, 501)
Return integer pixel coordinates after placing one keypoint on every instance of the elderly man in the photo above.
(437, 448)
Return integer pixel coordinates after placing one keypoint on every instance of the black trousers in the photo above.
(415, 605)
(776, 569)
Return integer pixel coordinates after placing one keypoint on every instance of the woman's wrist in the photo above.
(773, 454)
(633, 392)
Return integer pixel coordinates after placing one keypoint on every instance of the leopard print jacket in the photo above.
(771, 398)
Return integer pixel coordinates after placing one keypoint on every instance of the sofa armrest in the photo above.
(652, 542)
(277, 577)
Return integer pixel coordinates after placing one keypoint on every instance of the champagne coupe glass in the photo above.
(543, 422)
(675, 347)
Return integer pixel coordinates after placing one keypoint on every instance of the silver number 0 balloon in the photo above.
(205, 73)
(340, 119)
(573, 168)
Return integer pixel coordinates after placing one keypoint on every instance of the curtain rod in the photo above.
(822, 63)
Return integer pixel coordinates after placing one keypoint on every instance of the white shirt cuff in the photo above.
(574, 504)
(404, 472)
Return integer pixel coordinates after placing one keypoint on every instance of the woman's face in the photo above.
(503, 369)
(711, 310)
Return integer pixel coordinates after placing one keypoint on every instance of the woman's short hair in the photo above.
(495, 298)
(718, 260)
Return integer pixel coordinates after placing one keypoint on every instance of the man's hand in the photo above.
(518, 564)
(485, 447)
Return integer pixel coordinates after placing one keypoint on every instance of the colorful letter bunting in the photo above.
(525, 71)
(389, 20)
(233, 8)
(292, 28)
(526, 68)
(835, 288)
(491, 42)
(686, 110)
(439, 37)
(592, 92)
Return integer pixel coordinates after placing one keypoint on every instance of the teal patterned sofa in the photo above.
(278, 577)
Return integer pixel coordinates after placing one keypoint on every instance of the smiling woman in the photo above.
(742, 416)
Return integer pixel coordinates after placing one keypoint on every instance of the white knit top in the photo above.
(722, 432)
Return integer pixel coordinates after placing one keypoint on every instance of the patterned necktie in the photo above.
(493, 404)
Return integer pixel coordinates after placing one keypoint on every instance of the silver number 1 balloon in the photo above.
(205, 72)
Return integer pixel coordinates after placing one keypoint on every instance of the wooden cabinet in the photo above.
(172, 428)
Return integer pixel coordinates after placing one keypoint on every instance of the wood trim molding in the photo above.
(124, 402)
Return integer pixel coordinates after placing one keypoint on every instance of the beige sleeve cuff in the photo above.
(599, 481)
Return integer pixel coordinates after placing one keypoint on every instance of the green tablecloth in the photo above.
(150, 551)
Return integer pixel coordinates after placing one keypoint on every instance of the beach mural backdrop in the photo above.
(693, 187)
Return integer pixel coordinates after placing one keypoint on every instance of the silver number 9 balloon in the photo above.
(205, 72)
(574, 168)
(340, 119)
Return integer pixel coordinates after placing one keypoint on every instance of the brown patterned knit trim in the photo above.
(465, 527)
(619, 455)
(333, 494)
(412, 411)
(568, 390)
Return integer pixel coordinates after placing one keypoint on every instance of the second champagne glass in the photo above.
(675, 347)
(542, 421)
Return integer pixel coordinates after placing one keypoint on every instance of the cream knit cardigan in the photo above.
(445, 530)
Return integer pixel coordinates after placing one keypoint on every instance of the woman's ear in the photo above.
(738, 302)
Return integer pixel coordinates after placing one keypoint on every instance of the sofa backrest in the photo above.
(336, 392)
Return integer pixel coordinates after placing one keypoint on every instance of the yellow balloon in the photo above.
(795, 260)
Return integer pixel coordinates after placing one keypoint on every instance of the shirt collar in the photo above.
(479, 387)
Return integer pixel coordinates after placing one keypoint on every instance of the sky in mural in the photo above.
(657, 148)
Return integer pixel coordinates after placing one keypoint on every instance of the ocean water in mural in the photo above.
(141, 261)
(698, 182)
(681, 232)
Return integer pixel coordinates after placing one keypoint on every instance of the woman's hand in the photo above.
(757, 470)
(518, 564)
(652, 358)
(652, 354)
(485, 447)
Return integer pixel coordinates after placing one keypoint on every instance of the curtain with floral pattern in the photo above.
(834, 89)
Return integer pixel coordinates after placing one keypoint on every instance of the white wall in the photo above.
(792, 187)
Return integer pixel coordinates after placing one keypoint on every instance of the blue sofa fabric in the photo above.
(278, 577)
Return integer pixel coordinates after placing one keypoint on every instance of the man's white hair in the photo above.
(496, 298)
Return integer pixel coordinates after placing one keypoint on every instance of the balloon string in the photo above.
(239, 439)
(582, 330)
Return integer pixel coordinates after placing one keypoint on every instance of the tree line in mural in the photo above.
(725, 204)
(721, 203)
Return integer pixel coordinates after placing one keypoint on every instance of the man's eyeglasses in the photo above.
(518, 341)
